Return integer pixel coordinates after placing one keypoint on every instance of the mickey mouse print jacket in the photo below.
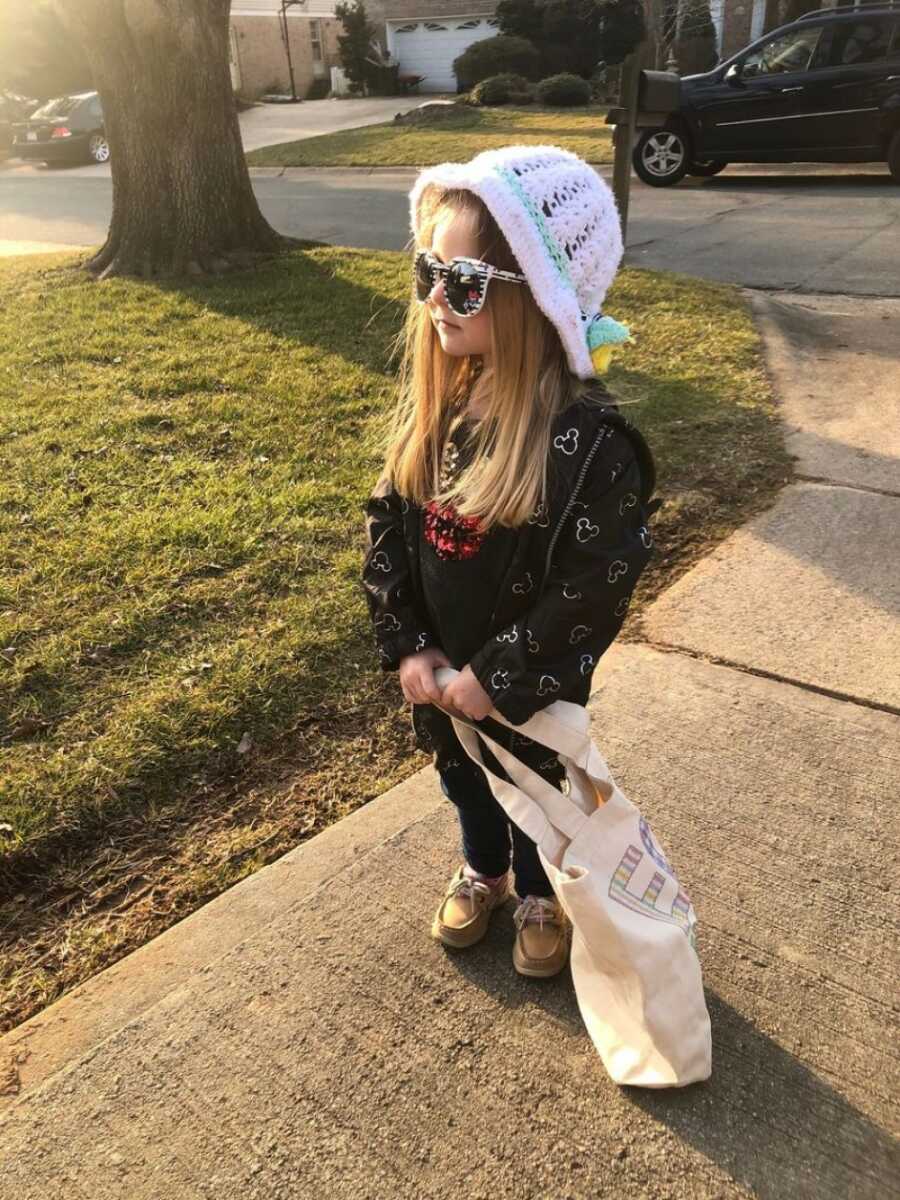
(567, 589)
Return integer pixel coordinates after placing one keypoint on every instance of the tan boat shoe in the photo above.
(542, 942)
(464, 913)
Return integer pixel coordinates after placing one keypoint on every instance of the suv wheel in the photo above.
(98, 148)
(705, 170)
(894, 156)
(660, 157)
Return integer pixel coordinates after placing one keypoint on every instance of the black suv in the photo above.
(825, 88)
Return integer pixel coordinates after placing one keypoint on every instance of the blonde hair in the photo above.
(532, 384)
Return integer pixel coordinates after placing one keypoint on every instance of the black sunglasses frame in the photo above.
(465, 281)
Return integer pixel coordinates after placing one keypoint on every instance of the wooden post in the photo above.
(628, 98)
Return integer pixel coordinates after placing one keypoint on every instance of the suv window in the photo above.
(791, 51)
(860, 42)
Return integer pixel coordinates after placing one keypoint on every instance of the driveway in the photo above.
(267, 125)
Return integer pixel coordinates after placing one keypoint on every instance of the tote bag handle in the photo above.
(535, 802)
(561, 726)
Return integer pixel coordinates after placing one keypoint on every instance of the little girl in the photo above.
(508, 529)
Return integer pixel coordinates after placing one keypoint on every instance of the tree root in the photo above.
(113, 263)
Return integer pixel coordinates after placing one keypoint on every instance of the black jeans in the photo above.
(485, 827)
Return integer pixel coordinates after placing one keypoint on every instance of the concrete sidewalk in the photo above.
(302, 1036)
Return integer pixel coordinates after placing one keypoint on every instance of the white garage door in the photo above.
(429, 47)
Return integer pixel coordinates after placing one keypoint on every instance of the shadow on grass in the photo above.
(299, 297)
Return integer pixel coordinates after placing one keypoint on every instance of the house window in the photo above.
(433, 25)
(492, 21)
(469, 25)
(407, 28)
(315, 36)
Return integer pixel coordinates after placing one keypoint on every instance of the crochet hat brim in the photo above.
(498, 178)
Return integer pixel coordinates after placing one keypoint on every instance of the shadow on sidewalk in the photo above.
(765, 1117)
(836, 183)
(773, 1123)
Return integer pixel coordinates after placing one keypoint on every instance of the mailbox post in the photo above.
(647, 100)
(623, 132)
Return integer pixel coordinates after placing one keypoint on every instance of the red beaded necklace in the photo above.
(451, 535)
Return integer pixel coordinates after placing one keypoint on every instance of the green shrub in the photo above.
(566, 32)
(319, 88)
(564, 91)
(695, 43)
(498, 89)
(496, 56)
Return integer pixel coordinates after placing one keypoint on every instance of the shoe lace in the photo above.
(535, 909)
(467, 889)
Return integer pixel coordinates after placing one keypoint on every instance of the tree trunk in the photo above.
(182, 199)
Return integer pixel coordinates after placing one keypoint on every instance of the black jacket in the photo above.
(568, 586)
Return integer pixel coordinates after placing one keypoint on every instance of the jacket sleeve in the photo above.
(399, 628)
(601, 550)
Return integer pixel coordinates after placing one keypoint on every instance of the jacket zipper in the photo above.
(572, 498)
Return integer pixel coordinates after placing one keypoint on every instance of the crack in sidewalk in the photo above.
(852, 487)
(760, 672)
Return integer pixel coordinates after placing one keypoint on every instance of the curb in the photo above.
(786, 171)
(81, 1019)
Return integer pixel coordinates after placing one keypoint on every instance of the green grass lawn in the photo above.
(578, 129)
(188, 682)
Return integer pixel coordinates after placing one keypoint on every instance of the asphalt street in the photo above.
(815, 230)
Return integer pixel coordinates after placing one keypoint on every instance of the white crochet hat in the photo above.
(562, 225)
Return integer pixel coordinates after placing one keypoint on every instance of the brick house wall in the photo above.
(262, 59)
(737, 18)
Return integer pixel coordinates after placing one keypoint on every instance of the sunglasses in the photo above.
(465, 281)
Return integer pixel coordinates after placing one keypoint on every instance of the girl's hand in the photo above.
(417, 675)
(466, 697)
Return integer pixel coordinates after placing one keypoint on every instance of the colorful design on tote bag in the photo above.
(653, 849)
(681, 913)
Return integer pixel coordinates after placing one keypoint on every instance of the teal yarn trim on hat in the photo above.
(604, 331)
(537, 216)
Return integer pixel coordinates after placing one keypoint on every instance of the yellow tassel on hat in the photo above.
(604, 335)
(601, 358)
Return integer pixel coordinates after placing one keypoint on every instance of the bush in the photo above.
(319, 88)
(695, 44)
(500, 89)
(353, 43)
(564, 91)
(622, 28)
(566, 32)
(496, 56)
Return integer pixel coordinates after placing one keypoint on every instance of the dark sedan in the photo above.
(13, 111)
(68, 129)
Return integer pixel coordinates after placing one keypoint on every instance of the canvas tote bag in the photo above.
(634, 964)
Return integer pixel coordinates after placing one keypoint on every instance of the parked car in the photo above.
(825, 88)
(13, 109)
(68, 129)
